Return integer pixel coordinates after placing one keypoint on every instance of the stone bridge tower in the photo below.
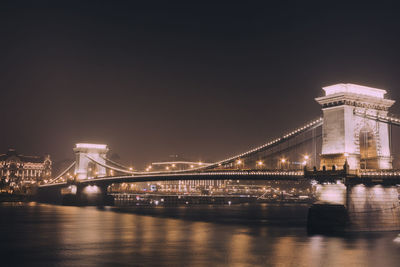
(363, 141)
(83, 154)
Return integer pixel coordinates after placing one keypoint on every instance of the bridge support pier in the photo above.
(89, 195)
(76, 195)
(355, 208)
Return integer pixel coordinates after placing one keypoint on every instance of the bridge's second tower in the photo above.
(85, 153)
(363, 141)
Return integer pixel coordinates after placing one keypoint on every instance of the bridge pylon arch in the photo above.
(84, 152)
(342, 126)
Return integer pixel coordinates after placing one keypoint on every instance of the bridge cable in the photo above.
(312, 125)
(62, 173)
(385, 119)
(115, 163)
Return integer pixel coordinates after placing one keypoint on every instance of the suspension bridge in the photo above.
(346, 151)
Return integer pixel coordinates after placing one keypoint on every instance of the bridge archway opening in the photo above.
(92, 169)
(368, 149)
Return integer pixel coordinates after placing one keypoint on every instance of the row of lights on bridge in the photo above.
(167, 168)
(173, 166)
(260, 163)
(300, 129)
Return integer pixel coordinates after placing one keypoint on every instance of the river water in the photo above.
(34, 234)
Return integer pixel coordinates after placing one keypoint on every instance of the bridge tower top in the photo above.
(354, 89)
(363, 142)
(84, 153)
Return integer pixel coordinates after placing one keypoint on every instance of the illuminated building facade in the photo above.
(16, 170)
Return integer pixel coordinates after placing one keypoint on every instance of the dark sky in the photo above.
(204, 81)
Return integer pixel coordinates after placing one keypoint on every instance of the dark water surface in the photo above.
(239, 235)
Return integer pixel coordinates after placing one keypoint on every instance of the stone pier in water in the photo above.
(355, 208)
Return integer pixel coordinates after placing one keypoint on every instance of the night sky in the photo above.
(204, 81)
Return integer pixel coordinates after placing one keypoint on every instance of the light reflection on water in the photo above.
(46, 235)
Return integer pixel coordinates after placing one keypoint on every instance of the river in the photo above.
(33, 234)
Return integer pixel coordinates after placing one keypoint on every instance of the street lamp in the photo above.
(239, 162)
(260, 163)
(283, 160)
(306, 158)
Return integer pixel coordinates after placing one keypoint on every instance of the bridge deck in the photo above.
(383, 177)
(215, 175)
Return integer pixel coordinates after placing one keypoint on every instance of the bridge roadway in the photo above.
(210, 175)
(387, 177)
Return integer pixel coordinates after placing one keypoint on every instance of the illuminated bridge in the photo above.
(346, 152)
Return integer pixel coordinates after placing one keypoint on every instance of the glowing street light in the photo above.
(260, 163)
(238, 162)
(167, 168)
(130, 168)
(282, 163)
(306, 158)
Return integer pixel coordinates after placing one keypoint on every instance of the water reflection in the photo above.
(46, 235)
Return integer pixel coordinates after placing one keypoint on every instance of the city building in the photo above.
(18, 170)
